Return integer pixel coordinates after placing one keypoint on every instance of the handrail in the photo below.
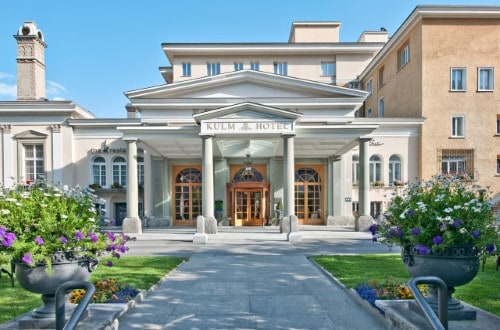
(442, 322)
(79, 310)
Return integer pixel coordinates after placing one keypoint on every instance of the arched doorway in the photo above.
(248, 196)
(187, 195)
(308, 195)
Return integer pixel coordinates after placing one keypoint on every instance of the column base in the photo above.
(363, 223)
(200, 238)
(294, 237)
(132, 225)
(210, 225)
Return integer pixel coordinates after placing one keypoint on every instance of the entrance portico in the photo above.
(292, 136)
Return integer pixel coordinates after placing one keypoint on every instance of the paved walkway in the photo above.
(250, 278)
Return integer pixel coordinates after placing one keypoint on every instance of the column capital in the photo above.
(287, 135)
(130, 139)
(364, 139)
(6, 128)
(206, 136)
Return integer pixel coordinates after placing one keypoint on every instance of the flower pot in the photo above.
(457, 265)
(38, 280)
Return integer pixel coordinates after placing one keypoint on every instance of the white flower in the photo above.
(448, 210)
(64, 216)
(5, 212)
(463, 230)
(457, 207)
(402, 215)
(91, 219)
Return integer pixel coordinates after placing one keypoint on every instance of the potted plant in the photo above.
(50, 234)
(441, 224)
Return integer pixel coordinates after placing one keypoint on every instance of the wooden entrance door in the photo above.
(248, 203)
(249, 207)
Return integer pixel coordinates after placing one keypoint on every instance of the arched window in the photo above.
(307, 194)
(188, 198)
(394, 169)
(248, 174)
(375, 169)
(99, 171)
(119, 172)
(355, 169)
(140, 170)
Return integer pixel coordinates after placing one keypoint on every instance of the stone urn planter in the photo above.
(456, 266)
(38, 280)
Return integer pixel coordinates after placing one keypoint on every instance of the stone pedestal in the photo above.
(132, 225)
(363, 223)
(210, 225)
(293, 235)
(200, 237)
(285, 225)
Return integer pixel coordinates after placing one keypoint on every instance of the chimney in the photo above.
(30, 63)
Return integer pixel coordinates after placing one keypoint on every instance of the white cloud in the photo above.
(8, 87)
(54, 90)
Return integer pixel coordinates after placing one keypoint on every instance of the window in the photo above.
(254, 66)
(119, 172)
(458, 79)
(498, 164)
(140, 170)
(458, 126)
(498, 124)
(33, 162)
(308, 195)
(369, 113)
(457, 162)
(381, 109)
(327, 69)
(403, 55)
(369, 87)
(381, 81)
(485, 79)
(186, 69)
(355, 169)
(238, 66)
(394, 169)
(356, 114)
(99, 171)
(213, 69)
(375, 169)
(281, 68)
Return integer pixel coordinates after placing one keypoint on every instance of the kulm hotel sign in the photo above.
(232, 127)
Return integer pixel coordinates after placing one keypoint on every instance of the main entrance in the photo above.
(249, 203)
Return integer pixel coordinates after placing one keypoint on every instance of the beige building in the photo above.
(237, 131)
(440, 65)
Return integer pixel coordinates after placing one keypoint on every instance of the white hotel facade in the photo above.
(237, 129)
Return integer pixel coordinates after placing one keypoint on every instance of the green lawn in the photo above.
(140, 272)
(482, 292)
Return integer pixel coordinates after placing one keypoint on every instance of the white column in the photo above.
(207, 177)
(7, 157)
(57, 149)
(288, 175)
(364, 178)
(132, 223)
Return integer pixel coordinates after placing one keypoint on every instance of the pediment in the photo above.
(245, 84)
(247, 111)
(30, 134)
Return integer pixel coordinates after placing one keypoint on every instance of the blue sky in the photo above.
(99, 49)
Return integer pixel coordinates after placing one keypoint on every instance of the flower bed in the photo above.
(107, 291)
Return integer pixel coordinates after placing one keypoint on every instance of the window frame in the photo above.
(213, 68)
(381, 107)
(100, 176)
(280, 68)
(369, 87)
(36, 175)
(395, 173)
(404, 55)
(498, 125)
(355, 169)
(119, 171)
(238, 66)
(375, 169)
(457, 125)
(381, 74)
(464, 79)
(186, 69)
(140, 170)
(326, 67)
(491, 79)
(255, 66)
(498, 165)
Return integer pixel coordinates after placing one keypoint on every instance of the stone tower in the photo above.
(30, 63)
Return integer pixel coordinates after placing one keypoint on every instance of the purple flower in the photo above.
(63, 240)
(111, 236)
(400, 233)
(27, 258)
(490, 248)
(373, 228)
(422, 249)
(410, 212)
(109, 264)
(79, 235)
(415, 231)
(437, 240)
(38, 240)
(93, 237)
(123, 249)
(117, 255)
(456, 223)
(476, 233)
(8, 239)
